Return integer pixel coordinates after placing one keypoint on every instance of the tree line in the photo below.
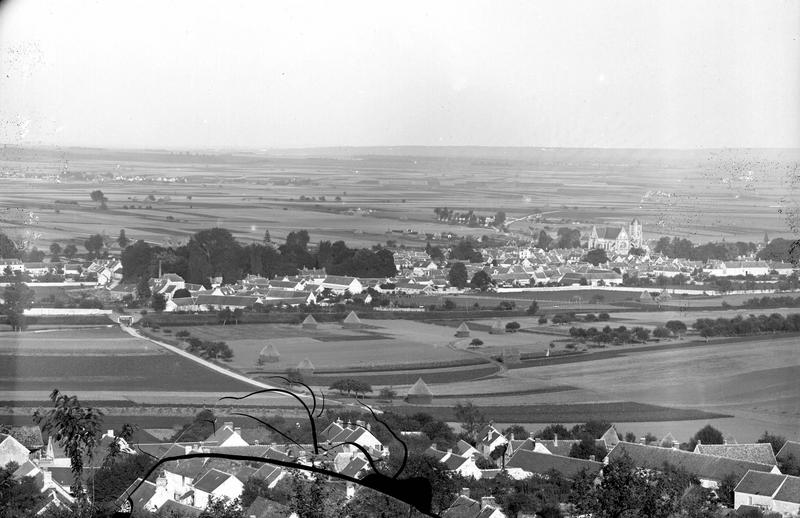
(216, 253)
(750, 325)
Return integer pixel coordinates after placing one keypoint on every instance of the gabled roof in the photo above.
(759, 452)
(541, 463)
(173, 508)
(463, 507)
(263, 508)
(211, 480)
(789, 491)
(354, 467)
(142, 495)
(759, 483)
(789, 449)
(704, 466)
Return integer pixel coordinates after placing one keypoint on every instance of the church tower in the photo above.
(635, 233)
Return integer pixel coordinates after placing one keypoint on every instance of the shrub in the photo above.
(449, 304)
(182, 334)
(512, 327)
(661, 332)
(603, 316)
(542, 320)
(476, 342)
(590, 317)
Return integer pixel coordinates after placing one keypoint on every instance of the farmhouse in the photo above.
(11, 450)
(466, 507)
(736, 268)
(769, 492)
(464, 466)
(217, 484)
(525, 463)
(759, 452)
(339, 284)
(489, 438)
(710, 469)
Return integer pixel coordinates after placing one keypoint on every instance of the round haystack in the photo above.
(646, 298)
(309, 323)
(269, 354)
(352, 321)
(419, 394)
(497, 328)
(664, 296)
(462, 331)
(305, 367)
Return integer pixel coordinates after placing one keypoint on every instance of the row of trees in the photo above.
(743, 326)
(215, 252)
(608, 335)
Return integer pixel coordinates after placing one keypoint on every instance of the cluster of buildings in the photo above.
(187, 485)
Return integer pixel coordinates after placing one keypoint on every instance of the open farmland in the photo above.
(754, 381)
(99, 359)
(382, 343)
(375, 195)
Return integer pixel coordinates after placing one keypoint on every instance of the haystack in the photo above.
(419, 394)
(309, 323)
(497, 328)
(646, 298)
(462, 331)
(269, 354)
(352, 321)
(305, 367)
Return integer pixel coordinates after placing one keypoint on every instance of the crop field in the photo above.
(164, 197)
(96, 360)
(381, 343)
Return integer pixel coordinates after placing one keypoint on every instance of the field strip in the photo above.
(202, 362)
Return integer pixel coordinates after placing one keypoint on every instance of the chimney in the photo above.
(532, 435)
(465, 491)
(642, 440)
(724, 441)
(228, 424)
(369, 427)
(47, 479)
(699, 442)
(110, 433)
(592, 458)
(187, 449)
(555, 440)
(433, 445)
(511, 436)
(487, 501)
(360, 423)
(450, 450)
(238, 430)
(675, 445)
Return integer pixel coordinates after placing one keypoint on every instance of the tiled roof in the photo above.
(541, 463)
(704, 466)
(759, 483)
(463, 507)
(789, 491)
(211, 480)
(789, 449)
(173, 508)
(760, 452)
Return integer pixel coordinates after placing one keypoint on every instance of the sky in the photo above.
(268, 74)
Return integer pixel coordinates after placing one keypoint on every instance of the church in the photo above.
(617, 239)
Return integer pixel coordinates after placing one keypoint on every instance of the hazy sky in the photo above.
(265, 74)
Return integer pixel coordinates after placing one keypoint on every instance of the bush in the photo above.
(603, 316)
(533, 308)
(590, 317)
(661, 332)
(476, 342)
(182, 334)
(542, 320)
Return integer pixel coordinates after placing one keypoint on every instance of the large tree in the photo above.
(17, 298)
(471, 418)
(94, 244)
(596, 256)
(458, 276)
(481, 280)
(99, 198)
(75, 428)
